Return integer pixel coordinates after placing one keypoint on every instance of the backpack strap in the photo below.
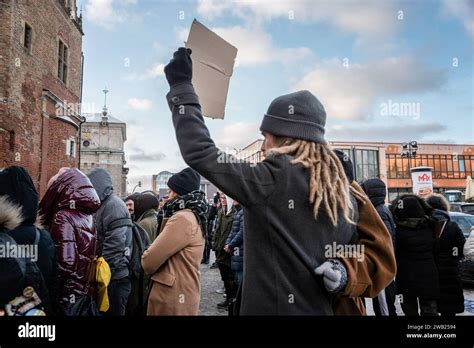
(37, 237)
(442, 228)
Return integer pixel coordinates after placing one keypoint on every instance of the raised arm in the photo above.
(240, 180)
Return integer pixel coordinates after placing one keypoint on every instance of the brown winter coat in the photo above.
(378, 269)
(173, 261)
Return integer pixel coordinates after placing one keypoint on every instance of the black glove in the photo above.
(180, 67)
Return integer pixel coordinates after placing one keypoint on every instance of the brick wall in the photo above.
(25, 75)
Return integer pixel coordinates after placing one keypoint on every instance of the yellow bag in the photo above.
(103, 279)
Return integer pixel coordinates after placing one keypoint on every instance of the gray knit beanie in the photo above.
(298, 115)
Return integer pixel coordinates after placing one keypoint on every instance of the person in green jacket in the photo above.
(146, 210)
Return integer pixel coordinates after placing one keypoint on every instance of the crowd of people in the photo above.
(98, 254)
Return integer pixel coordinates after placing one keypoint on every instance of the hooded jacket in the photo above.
(12, 269)
(16, 184)
(146, 215)
(67, 209)
(376, 191)
(417, 247)
(114, 245)
(451, 244)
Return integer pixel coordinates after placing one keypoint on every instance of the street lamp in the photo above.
(409, 151)
(137, 185)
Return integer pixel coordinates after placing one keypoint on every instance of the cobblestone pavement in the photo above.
(210, 282)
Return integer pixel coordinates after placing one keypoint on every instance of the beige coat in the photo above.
(173, 261)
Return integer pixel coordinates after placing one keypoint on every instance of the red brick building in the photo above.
(40, 86)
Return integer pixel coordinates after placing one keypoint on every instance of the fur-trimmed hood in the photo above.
(10, 214)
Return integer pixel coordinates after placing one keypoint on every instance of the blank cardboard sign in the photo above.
(213, 63)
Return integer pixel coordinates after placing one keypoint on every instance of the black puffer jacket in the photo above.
(236, 241)
(451, 244)
(417, 273)
(376, 190)
(12, 269)
(16, 184)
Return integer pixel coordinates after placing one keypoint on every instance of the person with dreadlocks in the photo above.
(174, 257)
(297, 202)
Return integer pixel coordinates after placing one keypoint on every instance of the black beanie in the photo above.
(185, 181)
(298, 115)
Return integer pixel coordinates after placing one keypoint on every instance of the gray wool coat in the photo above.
(283, 241)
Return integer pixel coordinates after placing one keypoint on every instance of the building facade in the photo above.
(451, 163)
(102, 146)
(40, 86)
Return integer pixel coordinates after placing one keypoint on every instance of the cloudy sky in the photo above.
(385, 70)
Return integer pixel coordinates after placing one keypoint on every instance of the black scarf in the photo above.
(195, 201)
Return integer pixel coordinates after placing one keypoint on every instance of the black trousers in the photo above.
(208, 243)
(118, 291)
(228, 277)
(427, 307)
(207, 251)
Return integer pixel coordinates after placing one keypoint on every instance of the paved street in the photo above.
(211, 281)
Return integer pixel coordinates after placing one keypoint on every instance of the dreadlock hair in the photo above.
(328, 184)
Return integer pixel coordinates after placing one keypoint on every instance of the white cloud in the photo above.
(155, 71)
(256, 47)
(107, 13)
(399, 132)
(139, 104)
(237, 135)
(350, 92)
(139, 155)
(462, 10)
(364, 17)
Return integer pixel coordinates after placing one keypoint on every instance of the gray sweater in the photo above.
(281, 236)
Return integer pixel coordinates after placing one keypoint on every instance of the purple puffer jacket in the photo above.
(67, 209)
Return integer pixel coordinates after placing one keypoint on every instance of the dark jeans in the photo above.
(238, 276)
(427, 307)
(228, 277)
(390, 296)
(118, 292)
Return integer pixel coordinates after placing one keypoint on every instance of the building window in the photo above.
(367, 166)
(71, 148)
(28, 37)
(444, 166)
(365, 163)
(62, 61)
